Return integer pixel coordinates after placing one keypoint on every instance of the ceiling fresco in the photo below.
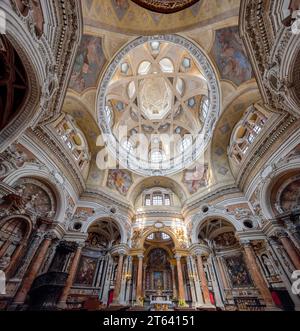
(126, 17)
(165, 6)
(230, 57)
(111, 25)
(88, 64)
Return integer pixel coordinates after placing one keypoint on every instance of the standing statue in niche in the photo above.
(268, 265)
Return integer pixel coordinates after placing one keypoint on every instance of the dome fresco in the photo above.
(160, 129)
(149, 159)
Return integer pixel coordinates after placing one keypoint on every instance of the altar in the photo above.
(160, 303)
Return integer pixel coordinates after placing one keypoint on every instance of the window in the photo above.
(205, 106)
(245, 133)
(144, 68)
(157, 156)
(151, 236)
(74, 139)
(108, 112)
(165, 236)
(166, 65)
(167, 200)
(157, 200)
(180, 86)
(148, 200)
(184, 144)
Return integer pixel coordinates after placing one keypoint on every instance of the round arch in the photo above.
(43, 176)
(268, 186)
(165, 230)
(23, 43)
(96, 218)
(22, 218)
(199, 220)
(164, 182)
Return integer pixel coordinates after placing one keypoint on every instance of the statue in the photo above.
(4, 261)
(12, 202)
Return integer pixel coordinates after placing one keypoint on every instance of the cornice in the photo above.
(102, 198)
(208, 198)
(48, 144)
(249, 169)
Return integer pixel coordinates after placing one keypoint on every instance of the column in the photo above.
(256, 273)
(174, 281)
(71, 276)
(203, 280)
(273, 246)
(129, 280)
(139, 291)
(196, 282)
(289, 248)
(33, 270)
(192, 282)
(144, 278)
(181, 293)
(118, 278)
(223, 275)
(14, 259)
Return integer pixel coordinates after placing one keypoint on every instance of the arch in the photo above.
(24, 45)
(165, 230)
(43, 176)
(24, 218)
(283, 173)
(199, 219)
(96, 218)
(151, 182)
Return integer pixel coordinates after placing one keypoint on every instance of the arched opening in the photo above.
(13, 82)
(14, 234)
(97, 268)
(40, 200)
(158, 262)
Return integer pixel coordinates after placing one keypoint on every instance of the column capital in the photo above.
(178, 256)
(140, 256)
(200, 249)
(280, 234)
(246, 243)
(50, 235)
(119, 250)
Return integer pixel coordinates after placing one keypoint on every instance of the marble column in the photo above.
(196, 282)
(203, 280)
(181, 293)
(139, 290)
(14, 259)
(174, 281)
(144, 278)
(256, 273)
(33, 270)
(222, 271)
(118, 279)
(289, 248)
(273, 247)
(71, 276)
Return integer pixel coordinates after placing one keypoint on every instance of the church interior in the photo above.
(150, 155)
